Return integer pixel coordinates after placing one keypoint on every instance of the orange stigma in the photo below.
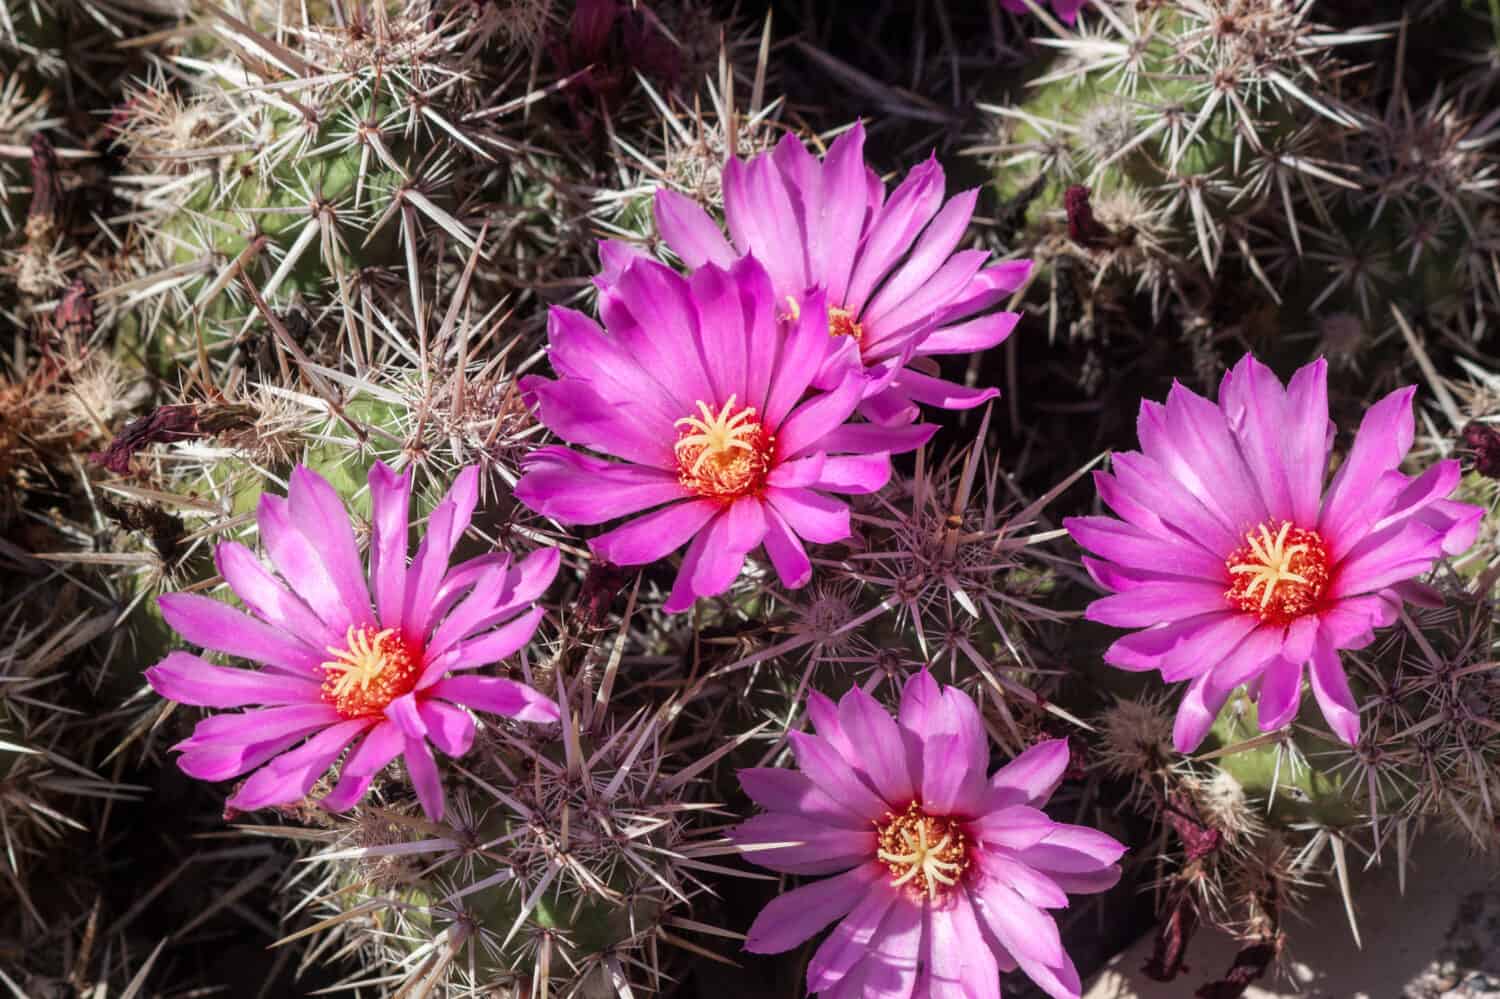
(376, 668)
(925, 854)
(1279, 574)
(723, 455)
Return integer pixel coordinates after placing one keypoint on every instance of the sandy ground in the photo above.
(1442, 939)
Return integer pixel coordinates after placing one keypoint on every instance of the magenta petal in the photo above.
(1195, 715)
(807, 426)
(290, 776)
(264, 595)
(390, 501)
(1060, 980)
(1154, 602)
(294, 558)
(1014, 827)
(1031, 777)
(867, 725)
(1391, 556)
(1218, 638)
(424, 777)
(189, 680)
(1280, 694)
(403, 713)
(1130, 546)
(824, 716)
(849, 943)
(1026, 931)
(1144, 494)
(446, 525)
(490, 647)
(714, 559)
(970, 337)
(798, 472)
(830, 771)
(654, 535)
(382, 745)
(939, 392)
(1257, 650)
(931, 252)
(857, 474)
(1254, 402)
(958, 962)
(954, 755)
(451, 729)
(800, 914)
(1331, 687)
(778, 790)
(844, 209)
(1384, 437)
(796, 845)
(220, 627)
(911, 206)
(811, 515)
(687, 229)
(580, 489)
(785, 550)
(499, 696)
(1072, 849)
(869, 438)
(804, 352)
(1149, 648)
(318, 513)
(889, 970)
(1036, 888)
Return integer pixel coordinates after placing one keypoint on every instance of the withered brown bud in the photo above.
(600, 587)
(46, 188)
(74, 317)
(166, 424)
(1249, 964)
(1083, 228)
(1484, 441)
(1173, 934)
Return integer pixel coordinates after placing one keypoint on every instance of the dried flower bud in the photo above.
(46, 190)
(600, 587)
(1083, 228)
(1484, 441)
(170, 423)
(1249, 964)
(1173, 934)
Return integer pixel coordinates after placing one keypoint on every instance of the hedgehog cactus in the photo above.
(1207, 132)
(292, 169)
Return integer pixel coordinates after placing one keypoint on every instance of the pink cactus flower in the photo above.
(1240, 568)
(703, 395)
(1065, 9)
(897, 293)
(941, 876)
(337, 666)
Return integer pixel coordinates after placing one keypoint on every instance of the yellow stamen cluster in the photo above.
(841, 322)
(723, 455)
(1278, 577)
(927, 854)
(376, 668)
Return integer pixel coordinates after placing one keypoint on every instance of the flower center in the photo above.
(375, 669)
(926, 853)
(1278, 577)
(841, 322)
(723, 455)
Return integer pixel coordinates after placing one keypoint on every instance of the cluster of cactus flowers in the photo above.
(545, 615)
